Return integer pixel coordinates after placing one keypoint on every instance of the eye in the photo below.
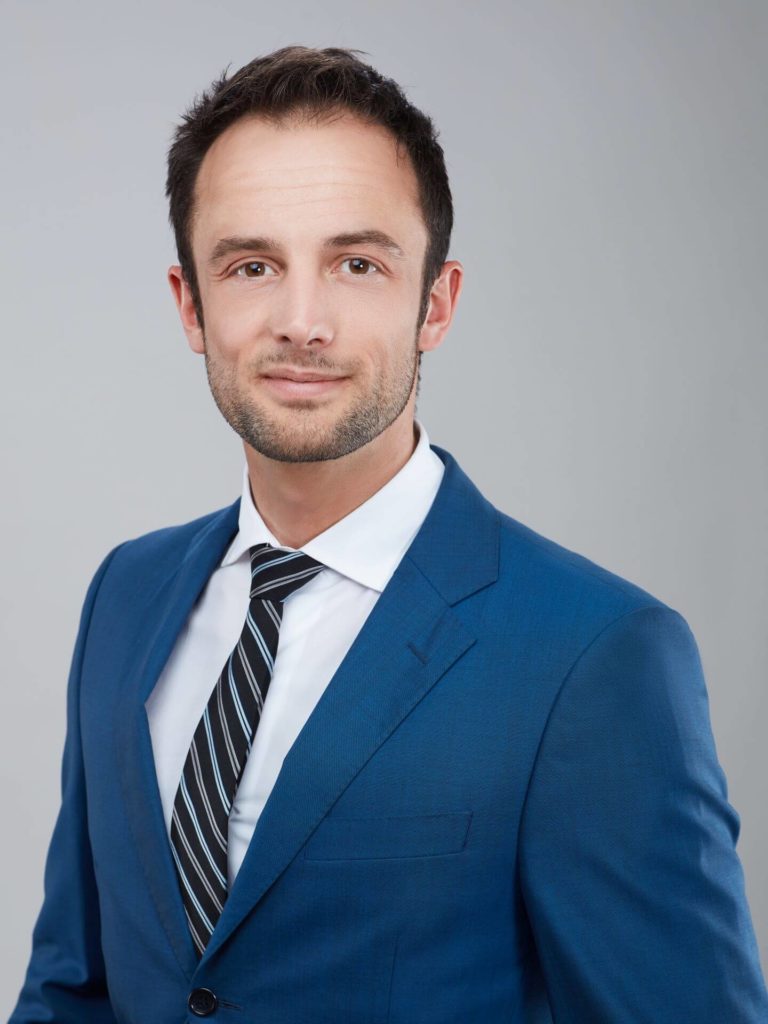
(360, 267)
(254, 268)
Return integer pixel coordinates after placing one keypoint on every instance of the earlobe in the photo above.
(182, 295)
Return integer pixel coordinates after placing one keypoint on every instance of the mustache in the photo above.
(314, 364)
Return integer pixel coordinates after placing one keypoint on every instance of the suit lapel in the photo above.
(163, 616)
(410, 639)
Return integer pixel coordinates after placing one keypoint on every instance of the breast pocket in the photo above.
(428, 835)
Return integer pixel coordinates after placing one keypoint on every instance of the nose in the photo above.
(301, 314)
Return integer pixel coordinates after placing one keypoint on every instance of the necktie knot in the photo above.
(277, 573)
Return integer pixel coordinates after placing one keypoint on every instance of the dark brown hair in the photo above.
(316, 85)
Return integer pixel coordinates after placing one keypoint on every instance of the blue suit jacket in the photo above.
(507, 804)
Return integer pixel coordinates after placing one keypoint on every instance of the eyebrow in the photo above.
(371, 236)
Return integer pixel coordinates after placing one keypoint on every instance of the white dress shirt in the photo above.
(320, 622)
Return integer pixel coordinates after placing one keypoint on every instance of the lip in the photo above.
(300, 375)
(300, 385)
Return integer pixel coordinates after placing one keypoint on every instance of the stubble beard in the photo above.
(297, 436)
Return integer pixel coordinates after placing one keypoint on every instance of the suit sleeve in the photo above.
(629, 871)
(65, 981)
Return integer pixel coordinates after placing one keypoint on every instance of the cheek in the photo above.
(230, 328)
(383, 314)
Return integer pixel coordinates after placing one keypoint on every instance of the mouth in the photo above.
(300, 384)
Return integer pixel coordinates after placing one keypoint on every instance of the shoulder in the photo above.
(174, 538)
(538, 583)
(153, 555)
(609, 655)
(560, 595)
(524, 550)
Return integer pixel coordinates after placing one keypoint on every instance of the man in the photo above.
(475, 781)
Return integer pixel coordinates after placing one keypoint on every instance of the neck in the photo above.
(299, 500)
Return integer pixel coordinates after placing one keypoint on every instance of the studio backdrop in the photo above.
(604, 381)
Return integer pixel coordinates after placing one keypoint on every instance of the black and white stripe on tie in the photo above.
(223, 738)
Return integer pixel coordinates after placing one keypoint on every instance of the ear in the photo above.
(182, 295)
(442, 302)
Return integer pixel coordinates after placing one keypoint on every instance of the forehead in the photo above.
(295, 178)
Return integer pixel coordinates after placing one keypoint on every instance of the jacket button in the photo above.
(202, 1002)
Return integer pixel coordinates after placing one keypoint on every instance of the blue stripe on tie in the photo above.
(260, 642)
(290, 556)
(188, 887)
(198, 867)
(197, 771)
(196, 823)
(229, 741)
(195, 937)
(270, 585)
(250, 676)
(225, 802)
(245, 725)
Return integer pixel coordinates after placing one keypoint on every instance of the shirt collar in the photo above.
(369, 542)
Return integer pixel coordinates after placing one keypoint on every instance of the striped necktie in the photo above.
(223, 738)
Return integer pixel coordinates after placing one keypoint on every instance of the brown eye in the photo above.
(360, 267)
(253, 269)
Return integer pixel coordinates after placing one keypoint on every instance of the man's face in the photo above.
(309, 245)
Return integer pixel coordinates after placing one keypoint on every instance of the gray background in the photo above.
(604, 381)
